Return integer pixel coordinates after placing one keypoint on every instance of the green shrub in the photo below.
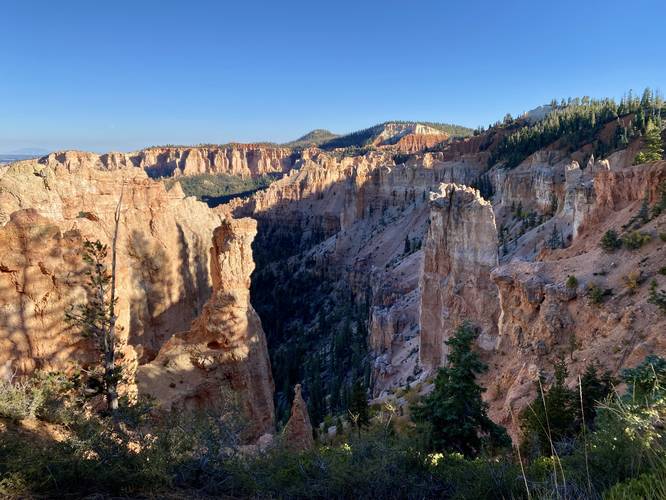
(642, 487)
(657, 297)
(610, 241)
(595, 293)
(662, 236)
(38, 397)
(572, 282)
(635, 240)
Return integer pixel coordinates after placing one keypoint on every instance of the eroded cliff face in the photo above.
(166, 270)
(528, 315)
(346, 233)
(225, 348)
(246, 160)
(47, 212)
(460, 251)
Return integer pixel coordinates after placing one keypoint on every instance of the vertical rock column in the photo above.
(460, 251)
(225, 349)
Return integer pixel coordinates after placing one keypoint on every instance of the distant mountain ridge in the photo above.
(315, 137)
(391, 132)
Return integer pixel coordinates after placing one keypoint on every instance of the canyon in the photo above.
(347, 267)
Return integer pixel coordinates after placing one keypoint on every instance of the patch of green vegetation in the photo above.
(596, 294)
(576, 122)
(657, 296)
(635, 240)
(315, 137)
(220, 188)
(572, 282)
(610, 241)
(589, 442)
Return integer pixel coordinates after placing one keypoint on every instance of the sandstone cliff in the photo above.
(528, 314)
(246, 160)
(460, 250)
(45, 214)
(225, 346)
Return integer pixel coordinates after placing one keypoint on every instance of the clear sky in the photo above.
(121, 75)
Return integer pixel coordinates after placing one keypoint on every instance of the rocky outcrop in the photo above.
(47, 211)
(414, 143)
(246, 160)
(536, 184)
(298, 431)
(225, 347)
(460, 251)
(543, 319)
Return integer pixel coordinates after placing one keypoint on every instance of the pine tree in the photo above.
(95, 319)
(454, 417)
(610, 241)
(653, 150)
(594, 390)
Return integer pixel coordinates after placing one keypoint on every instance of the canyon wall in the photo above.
(245, 160)
(528, 315)
(166, 272)
(47, 212)
(225, 348)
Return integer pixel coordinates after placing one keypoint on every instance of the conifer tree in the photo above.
(594, 390)
(95, 319)
(454, 417)
(654, 149)
(555, 239)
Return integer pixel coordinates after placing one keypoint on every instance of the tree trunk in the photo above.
(110, 344)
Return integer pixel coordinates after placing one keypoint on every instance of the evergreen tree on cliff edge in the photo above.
(454, 417)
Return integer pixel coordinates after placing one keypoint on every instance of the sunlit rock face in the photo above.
(225, 347)
(246, 160)
(460, 251)
(46, 212)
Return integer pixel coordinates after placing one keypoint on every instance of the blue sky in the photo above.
(121, 75)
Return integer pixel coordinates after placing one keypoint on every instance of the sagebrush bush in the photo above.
(41, 396)
(632, 281)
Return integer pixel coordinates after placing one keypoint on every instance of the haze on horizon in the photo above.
(126, 75)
